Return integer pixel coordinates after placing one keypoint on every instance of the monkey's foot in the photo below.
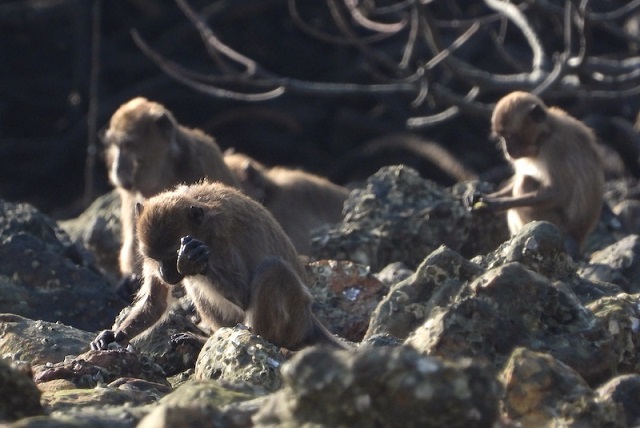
(107, 338)
(193, 256)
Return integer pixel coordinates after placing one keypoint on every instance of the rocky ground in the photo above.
(451, 324)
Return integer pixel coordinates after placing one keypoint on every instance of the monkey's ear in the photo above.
(537, 113)
(139, 208)
(197, 213)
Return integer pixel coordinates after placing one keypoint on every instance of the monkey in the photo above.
(147, 152)
(558, 173)
(234, 261)
(299, 200)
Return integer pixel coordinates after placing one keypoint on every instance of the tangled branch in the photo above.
(438, 64)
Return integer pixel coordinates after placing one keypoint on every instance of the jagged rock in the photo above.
(409, 302)
(620, 316)
(235, 355)
(371, 387)
(99, 367)
(512, 306)
(618, 264)
(396, 217)
(542, 391)
(98, 229)
(39, 342)
(344, 296)
(539, 246)
(19, 395)
(624, 390)
(43, 275)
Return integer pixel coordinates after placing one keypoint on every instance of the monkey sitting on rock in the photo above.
(234, 260)
(558, 173)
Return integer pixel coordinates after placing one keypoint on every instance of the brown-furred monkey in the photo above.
(148, 152)
(558, 173)
(234, 260)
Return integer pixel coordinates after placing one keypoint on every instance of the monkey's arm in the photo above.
(542, 198)
(129, 264)
(147, 311)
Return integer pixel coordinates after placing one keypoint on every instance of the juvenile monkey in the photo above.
(149, 152)
(234, 260)
(300, 201)
(558, 172)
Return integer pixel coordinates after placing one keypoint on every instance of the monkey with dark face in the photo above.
(149, 152)
(234, 260)
(558, 173)
(300, 201)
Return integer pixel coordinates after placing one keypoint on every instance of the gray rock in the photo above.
(624, 390)
(397, 217)
(618, 264)
(43, 275)
(372, 387)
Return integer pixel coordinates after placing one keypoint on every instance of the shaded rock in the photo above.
(344, 296)
(488, 229)
(618, 264)
(39, 342)
(91, 416)
(397, 217)
(540, 247)
(206, 393)
(628, 212)
(372, 387)
(183, 417)
(542, 391)
(393, 273)
(43, 275)
(624, 390)
(512, 306)
(235, 355)
(409, 302)
(175, 341)
(98, 367)
(98, 230)
(620, 316)
(19, 395)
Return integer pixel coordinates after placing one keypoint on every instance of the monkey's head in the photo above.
(161, 223)
(250, 174)
(519, 120)
(140, 141)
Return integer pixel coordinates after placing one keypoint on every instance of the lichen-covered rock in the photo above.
(99, 367)
(373, 387)
(39, 342)
(397, 217)
(19, 395)
(236, 355)
(618, 264)
(344, 296)
(409, 302)
(542, 391)
(43, 275)
(539, 246)
(620, 316)
(624, 390)
(130, 392)
(512, 306)
(98, 229)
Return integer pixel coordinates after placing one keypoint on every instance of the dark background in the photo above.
(45, 69)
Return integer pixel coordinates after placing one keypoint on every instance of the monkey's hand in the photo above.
(193, 256)
(473, 200)
(109, 337)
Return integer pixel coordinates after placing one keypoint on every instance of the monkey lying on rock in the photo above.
(558, 173)
(234, 260)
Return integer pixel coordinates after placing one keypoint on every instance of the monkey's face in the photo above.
(519, 128)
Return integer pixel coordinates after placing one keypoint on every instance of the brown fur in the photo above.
(558, 173)
(242, 268)
(300, 201)
(149, 152)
